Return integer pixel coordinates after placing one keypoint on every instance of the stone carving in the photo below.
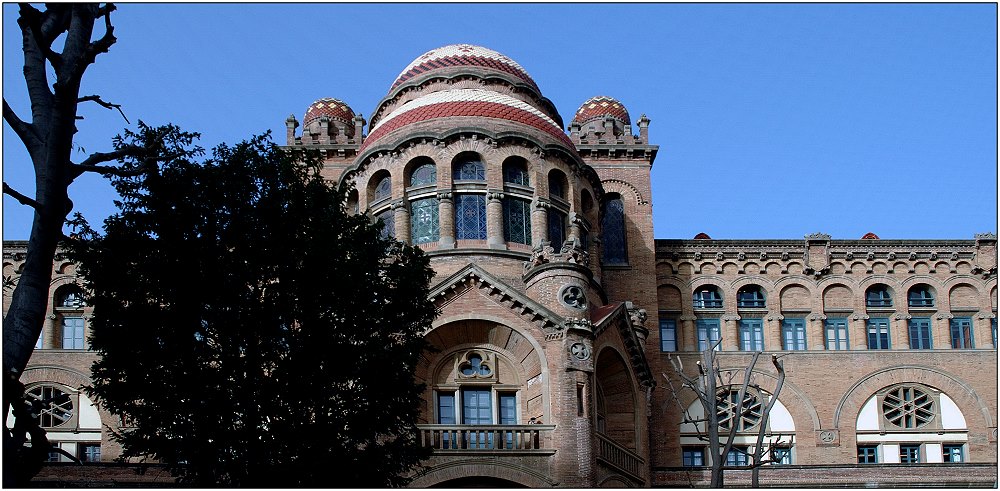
(719, 256)
(871, 256)
(933, 256)
(818, 236)
(954, 256)
(573, 296)
(849, 256)
(636, 315)
(697, 256)
(741, 256)
(987, 236)
(913, 256)
(827, 436)
(784, 256)
(763, 256)
(445, 195)
(891, 256)
(580, 351)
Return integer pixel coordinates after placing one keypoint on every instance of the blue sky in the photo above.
(773, 120)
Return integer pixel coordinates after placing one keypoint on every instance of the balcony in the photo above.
(620, 458)
(478, 439)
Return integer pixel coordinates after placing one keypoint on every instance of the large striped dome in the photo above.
(459, 55)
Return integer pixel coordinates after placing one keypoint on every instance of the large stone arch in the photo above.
(435, 474)
(627, 433)
(970, 403)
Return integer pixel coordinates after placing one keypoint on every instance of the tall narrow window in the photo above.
(993, 327)
(836, 334)
(793, 334)
(517, 220)
(668, 334)
(557, 185)
(878, 333)
(383, 189)
(38, 342)
(961, 333)
(613, 232)
(73, 333)
(470, 216)
(388, 219)
(708, 333)
(423, 175)
(469, 170)
(424, 225)
(557, 228)
(477, 410)
(920, 333)
(446, 416)
(752, 335)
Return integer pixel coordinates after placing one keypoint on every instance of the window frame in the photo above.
(839, 327)
(925, 299)
(882, 332)
(668, 334)
(713, 299)
(758, 300)
(793, 334)
(690, 454)
(882, 300)
(468, 203)
(704, 328)
(910, 452)
(949, 456)
(77, 339)
(921, 333)
(524, 208)
(868, 454)
(751, 334)
(614, 250)
(433, 232)
(961, 338)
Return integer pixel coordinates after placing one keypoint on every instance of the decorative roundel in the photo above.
(330, 107)
(749, 417)
(573, 296)
(477, 103)
(908, 407)
(599, 107)
(462, 55)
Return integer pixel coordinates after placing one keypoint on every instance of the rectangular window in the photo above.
(557, 228)
(668, 334)
(508, 415)
(693, 456)
(781, 455)
(836, 334)
(708, 333)
(993, 325)
(54, 456)
(73, 333)
(424, 225)
(517, 220)
(920, 333)
(867, 454)
(961, 333)
(752, 335)
(470, 217)
(738, 456)
(954, 453)
(388, 218)
(878, 333)
(793, 334)
(89, 452)
(446, 416)
(909, 454)
(477, 409)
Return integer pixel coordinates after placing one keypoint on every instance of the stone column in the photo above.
(540, 223)
(941, 328)
(772, 332)
(401, 212)
(899, 331)
(730, 333)
(49, 338)
(688, 338)
(494, 220)
(446, 220)
(859, 331)
(290, 124)
(982, 336)
(815, 335)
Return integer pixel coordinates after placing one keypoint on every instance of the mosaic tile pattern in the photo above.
(599, 107)
(462, 55)
(330, 107)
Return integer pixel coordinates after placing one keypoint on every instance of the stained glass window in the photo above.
(424, 221)
(516, 173)
(557, 228)
(388, 223)
(425, 174)
(517, 221)
(470, 216)
(383, 189)
(613, 232)
(470, 170)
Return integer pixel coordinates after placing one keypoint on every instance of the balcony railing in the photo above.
(621, 458)
(496, 438)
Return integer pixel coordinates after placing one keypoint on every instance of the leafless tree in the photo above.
(711, 385)
(48, 138)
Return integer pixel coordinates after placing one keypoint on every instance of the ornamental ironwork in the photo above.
(908, 406)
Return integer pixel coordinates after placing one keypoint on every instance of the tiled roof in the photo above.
(462, 55)
(466, 102)
(599, 107)
(870, 236)
(328, 106)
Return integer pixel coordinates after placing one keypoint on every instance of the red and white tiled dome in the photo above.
(330, 107)
(479, 103)
(599, 107)
(462, 55)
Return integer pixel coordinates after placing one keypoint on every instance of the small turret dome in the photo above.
(597, 108)
(331, 108)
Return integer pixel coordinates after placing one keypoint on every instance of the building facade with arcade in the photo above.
(559, 310)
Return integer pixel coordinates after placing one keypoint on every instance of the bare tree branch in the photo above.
(24, 200)
(102, 102)
(24, 131)
(104, 44)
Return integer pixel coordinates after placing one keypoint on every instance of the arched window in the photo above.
(515, 171)
(424, 225)
(352, 202)
(707, 297)
(613, 231)
(388, 223)
(517, 220)
(69, 303)
(53, 406)
(469, 168)
(383, 189)
(482, 396)
(424, 174)
(911, 423)
(557, 184)
(470, 216)
(920, 296)
(750, 297)
(70, 297)
(878, 296)
(557, 228)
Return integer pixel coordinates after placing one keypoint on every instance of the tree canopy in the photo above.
(251, 331)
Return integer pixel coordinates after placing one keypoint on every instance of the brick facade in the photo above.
(548, 363)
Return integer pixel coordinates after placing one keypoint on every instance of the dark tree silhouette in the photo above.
(251, 332)
(48, 138)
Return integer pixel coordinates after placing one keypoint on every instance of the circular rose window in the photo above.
(750, 415)
(908, 407)
(52, 406)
